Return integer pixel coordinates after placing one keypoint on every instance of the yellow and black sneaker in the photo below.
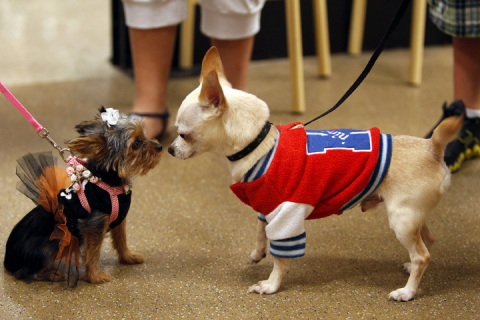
(466, 146)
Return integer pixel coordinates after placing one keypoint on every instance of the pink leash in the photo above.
(37, 126)
(42, 132)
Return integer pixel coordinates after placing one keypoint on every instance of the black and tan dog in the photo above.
(78, 206)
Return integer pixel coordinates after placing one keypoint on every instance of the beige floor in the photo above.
(194, 233)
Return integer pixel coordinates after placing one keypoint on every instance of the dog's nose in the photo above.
(171, 150)
(159, 147)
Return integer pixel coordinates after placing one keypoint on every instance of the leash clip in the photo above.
(45, 134)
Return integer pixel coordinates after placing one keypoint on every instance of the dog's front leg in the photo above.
(93, 243)
(261, 244)
(119, 241)
(280, 269)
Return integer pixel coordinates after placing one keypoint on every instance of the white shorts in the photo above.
(220, 19)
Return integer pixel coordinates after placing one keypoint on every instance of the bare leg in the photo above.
(466, 71)
(466, 85)
(280, 270)
(235, 55)
(261, 244)
(119, 241)
(152, 52)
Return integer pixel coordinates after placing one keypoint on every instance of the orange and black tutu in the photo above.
(41, 180)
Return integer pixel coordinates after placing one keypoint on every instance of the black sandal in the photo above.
(164, 116)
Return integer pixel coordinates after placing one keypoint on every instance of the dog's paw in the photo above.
(402, 294)
(51, 275)
(132, 258)
(256, 257)
(407, 266)
(98, 277)
(264, 287)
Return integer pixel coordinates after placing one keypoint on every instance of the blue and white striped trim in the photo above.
(384, 156)
(293, 247)
(262, 164)
(262, 217)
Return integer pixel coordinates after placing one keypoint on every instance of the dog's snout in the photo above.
(159, 147)
(171, 150)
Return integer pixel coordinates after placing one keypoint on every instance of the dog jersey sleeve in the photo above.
(286, 229)
(287, 220)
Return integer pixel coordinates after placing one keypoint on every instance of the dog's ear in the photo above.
(211, 94)
(93, 146)
(212, 62)
(87, 128)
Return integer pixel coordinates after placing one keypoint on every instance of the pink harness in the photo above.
(112, 191)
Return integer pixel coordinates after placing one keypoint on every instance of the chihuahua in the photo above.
(289, 174)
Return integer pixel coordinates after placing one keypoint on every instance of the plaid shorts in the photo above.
(459, 18)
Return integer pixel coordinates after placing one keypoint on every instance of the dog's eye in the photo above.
(186, 137)
(136, 144)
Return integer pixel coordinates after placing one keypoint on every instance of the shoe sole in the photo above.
(469, 153)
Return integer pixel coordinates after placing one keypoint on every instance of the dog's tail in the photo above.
(50, 183)
(445, 132)
(41, 179)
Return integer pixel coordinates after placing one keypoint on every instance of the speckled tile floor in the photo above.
(194, 233)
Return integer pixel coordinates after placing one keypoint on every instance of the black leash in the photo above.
(396, 19)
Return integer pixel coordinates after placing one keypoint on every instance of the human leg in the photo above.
(152, 29)
(152, 52)
(235, 55)
(460, 20)
(466, 71)
(232, 25)
(466, 86)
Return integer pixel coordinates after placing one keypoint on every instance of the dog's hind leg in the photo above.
(428, 240)
(410, 236)
(261, 244)
(119, 241)
(280, 270)
(427, 237)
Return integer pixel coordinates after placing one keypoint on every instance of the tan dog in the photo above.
(217, 118)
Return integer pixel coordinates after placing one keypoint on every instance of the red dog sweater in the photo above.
(310, 175)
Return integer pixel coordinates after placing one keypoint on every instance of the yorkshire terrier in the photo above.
(78, 206)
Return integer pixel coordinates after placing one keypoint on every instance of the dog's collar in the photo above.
(255, 143)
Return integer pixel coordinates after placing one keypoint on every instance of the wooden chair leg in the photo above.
(417, 41)
(295, 53)
(357, 26)
(187, 34)
(322, 38)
